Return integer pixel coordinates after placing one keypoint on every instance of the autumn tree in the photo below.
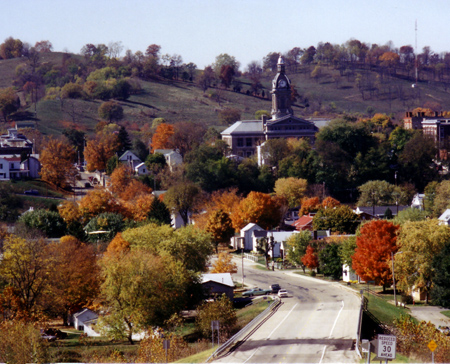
(221, 310)
(162, 137)
(99, 150)
(44, 46)
(97, 201)
(25, 266)
(224, 264)
(11, 48)
(292, 189)
(258, 208)
(121, 178)
(308, 205)
(296, 247)
(419, 242)
(140, 290)
(57, 162)
(75, 280)
(221, 228)
(226, 200)
(118, 246)
(310, 259)
(376, 242)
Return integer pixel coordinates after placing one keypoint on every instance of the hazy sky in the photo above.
(199, 30)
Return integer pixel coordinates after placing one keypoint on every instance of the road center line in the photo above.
(285, 317)
(331, 332)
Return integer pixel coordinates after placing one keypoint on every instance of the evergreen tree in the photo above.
(159, 212)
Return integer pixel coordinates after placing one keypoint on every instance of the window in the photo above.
(248, 142)
(249, 154)
(1, 165)
(240, 142)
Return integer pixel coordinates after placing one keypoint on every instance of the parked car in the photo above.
(282, 293)
(31, 192)
(275, 287)
(256, 292)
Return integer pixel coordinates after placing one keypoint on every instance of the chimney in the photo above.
(264, 119)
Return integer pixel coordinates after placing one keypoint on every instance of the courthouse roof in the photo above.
(245, 126)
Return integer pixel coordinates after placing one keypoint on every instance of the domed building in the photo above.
(245, 136)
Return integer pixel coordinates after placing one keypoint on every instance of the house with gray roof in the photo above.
(243, 137)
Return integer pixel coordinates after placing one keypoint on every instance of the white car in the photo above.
(282, 293)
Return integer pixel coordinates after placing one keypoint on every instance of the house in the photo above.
(173, 157)
(377, 212)
(245, 136)
(11, 167)
(279, 240)
(304, 222)
(141, 169)
(417, 201)
(85, 321)
(130, 158)
(444, 219)
(15, 143)
(216, 284)
(245, 237)
(348, 274)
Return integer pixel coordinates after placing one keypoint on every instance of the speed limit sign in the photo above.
(386, 346)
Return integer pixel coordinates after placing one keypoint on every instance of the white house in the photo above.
(130, 158)
(11, 167)
(279, 238)
(444, 219)
(85, 321)
(417, 201)
(245, 237)
(141, 169)
(348, 274)
(173, 158)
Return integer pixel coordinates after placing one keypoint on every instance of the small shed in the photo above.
(216, 284)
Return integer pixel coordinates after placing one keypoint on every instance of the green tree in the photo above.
(330, 262)
(410, 214)
(9, 203)
(296, 247)
(9, 102)
(292, 189)
(219, 310)
(340, 219)
(159, 212)
(274, 150)
(265, 246)
(110, 111)
(440, 291)
(260, 113)
(440, 197)
(419, 242)
(181, 199)
(347, 249)
(110, 222)
(48, 222)
(140, 290)
(379, 193)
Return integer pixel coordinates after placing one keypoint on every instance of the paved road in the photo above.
(316, 324)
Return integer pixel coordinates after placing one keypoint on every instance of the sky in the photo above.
(200, 30)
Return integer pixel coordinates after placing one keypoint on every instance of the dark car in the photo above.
(31, 192)
(275, 287)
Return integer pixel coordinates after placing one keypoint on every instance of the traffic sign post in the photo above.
(432, 346)
(386, 347)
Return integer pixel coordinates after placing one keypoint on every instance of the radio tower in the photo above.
(417, 56)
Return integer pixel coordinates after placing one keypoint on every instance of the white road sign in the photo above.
(386, 346)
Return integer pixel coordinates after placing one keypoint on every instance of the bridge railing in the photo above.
(244, 331)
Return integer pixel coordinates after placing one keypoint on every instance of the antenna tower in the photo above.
(417, 56)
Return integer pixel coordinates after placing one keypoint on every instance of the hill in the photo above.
(328, 91)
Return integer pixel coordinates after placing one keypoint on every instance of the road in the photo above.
(317, 323)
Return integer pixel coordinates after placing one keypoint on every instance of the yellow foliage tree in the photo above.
(57, 162)
(96, 202)
(292, 189)
(69, 211)
(224, 264)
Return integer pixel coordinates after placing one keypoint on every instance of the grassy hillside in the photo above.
(328, 95)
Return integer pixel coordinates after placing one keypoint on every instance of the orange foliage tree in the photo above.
(310, 259)
(57, 162)
(118, 246)
(96, 202)
(308, 205)
(120, 178)
(259, 208)
(99, 150)
(225, 200)
(376, 242)
(162, 137)
(330, 203)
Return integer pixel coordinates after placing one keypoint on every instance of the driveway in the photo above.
(430, 314)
